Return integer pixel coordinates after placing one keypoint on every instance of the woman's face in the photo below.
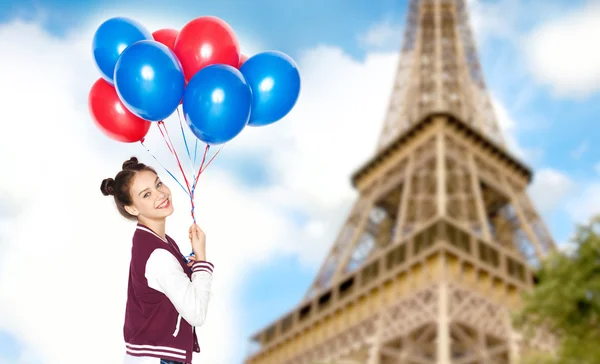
(151, 198)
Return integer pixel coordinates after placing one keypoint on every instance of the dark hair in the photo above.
(120, 186)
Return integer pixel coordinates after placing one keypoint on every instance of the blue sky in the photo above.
(287, 26)
(557, 129)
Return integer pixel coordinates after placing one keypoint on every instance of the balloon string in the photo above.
(174, 152)
(202, 166)
(200, 170)
(171, 174)
(193, 190)
(190, 191)
(187, 149)
(167, 143)
(191, 164)
(195, 153)
(210, 161)
(192, 201)
(202, 163)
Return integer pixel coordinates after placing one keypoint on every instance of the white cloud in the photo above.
(550, 189)
(382, 34)
(333, 128)
(586, 203)
(64, 256)
(580, 150)
(486, 23)
(510, 129)
(553, 190)
(562, 53)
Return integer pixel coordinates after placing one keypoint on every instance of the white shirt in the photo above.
(164, 274)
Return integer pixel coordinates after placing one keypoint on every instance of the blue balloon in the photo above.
(275, 83)
(149, 80)
(111, 39)
(217, 103)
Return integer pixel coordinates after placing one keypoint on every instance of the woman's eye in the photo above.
(146, 194)
(159, 184)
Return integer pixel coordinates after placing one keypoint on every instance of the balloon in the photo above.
(217, 103)
(243, 58)
(149, 80)
(166, 37)
(111, 39)
(275, 83)
(204, 41)
(111, 116)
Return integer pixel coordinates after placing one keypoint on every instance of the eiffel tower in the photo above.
(443, 238)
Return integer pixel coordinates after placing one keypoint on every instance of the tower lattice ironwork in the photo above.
(441, 241)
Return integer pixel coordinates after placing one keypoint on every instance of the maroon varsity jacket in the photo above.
(153, 326)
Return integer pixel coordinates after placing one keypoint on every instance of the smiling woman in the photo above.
(167, 297)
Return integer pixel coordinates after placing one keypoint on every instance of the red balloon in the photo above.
(166, 37)
(204, 41)
(243, 58)
(112, 117)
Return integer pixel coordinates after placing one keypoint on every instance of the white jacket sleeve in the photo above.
(164, 274)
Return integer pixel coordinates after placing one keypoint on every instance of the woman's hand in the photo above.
(198, 240)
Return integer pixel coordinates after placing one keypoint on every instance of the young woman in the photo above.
(167, 297)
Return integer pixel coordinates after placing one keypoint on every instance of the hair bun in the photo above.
(108, 187)
(131, 163)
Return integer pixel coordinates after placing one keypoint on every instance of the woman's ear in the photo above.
(132, 210)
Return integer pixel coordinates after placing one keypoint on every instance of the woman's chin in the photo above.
(169, 211)
(162, 213)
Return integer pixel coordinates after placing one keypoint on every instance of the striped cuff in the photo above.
(202, 266)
